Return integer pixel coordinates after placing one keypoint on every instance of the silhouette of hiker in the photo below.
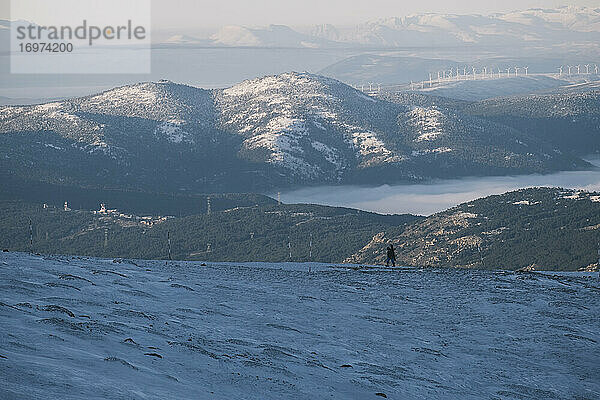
(391, 256)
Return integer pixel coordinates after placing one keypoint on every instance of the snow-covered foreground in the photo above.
(73, 328)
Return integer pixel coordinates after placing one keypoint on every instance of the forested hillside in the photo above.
(540, 228)
(254, 233)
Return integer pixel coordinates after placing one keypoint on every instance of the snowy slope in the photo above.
(89, 121)
(74, 328)
(307, 123)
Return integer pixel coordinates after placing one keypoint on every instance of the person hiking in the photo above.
(391, 256)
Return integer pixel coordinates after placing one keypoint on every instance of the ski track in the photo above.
(74, 328)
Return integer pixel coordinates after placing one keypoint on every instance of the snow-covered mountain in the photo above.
(534, 26)
(519, 28)
(306, 123)
(243, 36)
(73, 327)
(288, 129)
(270, 36)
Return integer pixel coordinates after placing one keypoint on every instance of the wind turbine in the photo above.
(578, 69)
(465, 72)
(474, 75)
(569, 68)
(526, 69)
(499, 73)
(587, 68)
(596, 69)
(484, 72)
(507, 71)
(430, 80)
(560, 71)
(517, 71)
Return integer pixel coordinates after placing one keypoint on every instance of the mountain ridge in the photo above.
(292, 128)
(529, 27)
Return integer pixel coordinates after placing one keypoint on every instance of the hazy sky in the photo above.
(187, 13)
(206, 14)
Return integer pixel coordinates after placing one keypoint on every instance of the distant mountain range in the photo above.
(533, 27)
(290, 129)
(529, 27)
(398, 71)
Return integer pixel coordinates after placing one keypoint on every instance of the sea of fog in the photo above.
(429, 198)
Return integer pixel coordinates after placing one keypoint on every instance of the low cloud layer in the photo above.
(427, 199)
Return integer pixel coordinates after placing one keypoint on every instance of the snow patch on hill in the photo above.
(427, 121)
(172, 131)
(142, 93)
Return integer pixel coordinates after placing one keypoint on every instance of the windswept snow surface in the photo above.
(73, 328)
